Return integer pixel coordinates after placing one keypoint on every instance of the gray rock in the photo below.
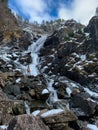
(27, 122)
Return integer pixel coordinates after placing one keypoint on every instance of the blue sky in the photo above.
(38, 10)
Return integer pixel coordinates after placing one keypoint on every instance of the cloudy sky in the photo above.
(38, 10)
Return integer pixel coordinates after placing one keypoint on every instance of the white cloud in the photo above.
(81, 10)
(35, 9)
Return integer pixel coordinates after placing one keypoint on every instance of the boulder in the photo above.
(27, 122)
(58, 119)
(12, 90)
(84, 103)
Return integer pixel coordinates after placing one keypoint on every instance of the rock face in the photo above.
(93, 29)
(84, 102)
(27, 122)
(60, 120)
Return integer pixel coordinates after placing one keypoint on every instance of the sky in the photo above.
(39, 10)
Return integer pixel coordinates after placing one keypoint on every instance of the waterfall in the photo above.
(53, 97)
(34, 48)
(33, 68)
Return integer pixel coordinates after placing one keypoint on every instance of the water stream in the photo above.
(33, 67)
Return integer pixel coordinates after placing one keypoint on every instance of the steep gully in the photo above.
(34, 48)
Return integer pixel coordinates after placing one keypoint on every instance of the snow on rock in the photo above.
(18, 80)
(83, 57)
(51, 112)
(69, 91)
(91, 92)
(4, 127)
(35, 113)
(45, 91)
(92, 127)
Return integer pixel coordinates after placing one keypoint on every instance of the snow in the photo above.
(35, 113)
(69, 91)
(5, 57)
(4, 127)
(45, 91)
(27, 108)
(83, 57)
(18, 80)
(51, 112)
(92, 127)
(74, 85)
(91, 92)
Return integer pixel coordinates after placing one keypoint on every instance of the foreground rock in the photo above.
(58, 119)
(27, 122)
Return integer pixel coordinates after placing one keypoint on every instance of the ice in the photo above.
(83, 57)
(27, 108)
(53, 94)
(4, 127)
(51, 112)
(35, 113)
(45, 91)
(91, 92)
(69, 91)
(34, 49)
(92, 127)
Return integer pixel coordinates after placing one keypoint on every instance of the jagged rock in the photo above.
(12, 90)
(93, 29)
(27, 122)
(83, 101)
(32, 92)
(3, 96)
(52, 40)
(63, 104)
(38, 84)
(38, 105)
(9, 108)
(58, 120)
(26, 59)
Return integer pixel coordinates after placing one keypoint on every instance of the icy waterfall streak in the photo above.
(32, 69)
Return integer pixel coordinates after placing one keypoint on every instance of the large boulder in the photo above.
(84, 103)
(58, 119)
(27, 122)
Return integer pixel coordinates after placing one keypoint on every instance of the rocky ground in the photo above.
(48, 79)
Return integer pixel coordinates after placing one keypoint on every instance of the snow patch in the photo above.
(35, 113)
(92, 127)
(69, 91)
(51, 112)
(91, 92)
(45, 91)
(18, 80)
(4, 127)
